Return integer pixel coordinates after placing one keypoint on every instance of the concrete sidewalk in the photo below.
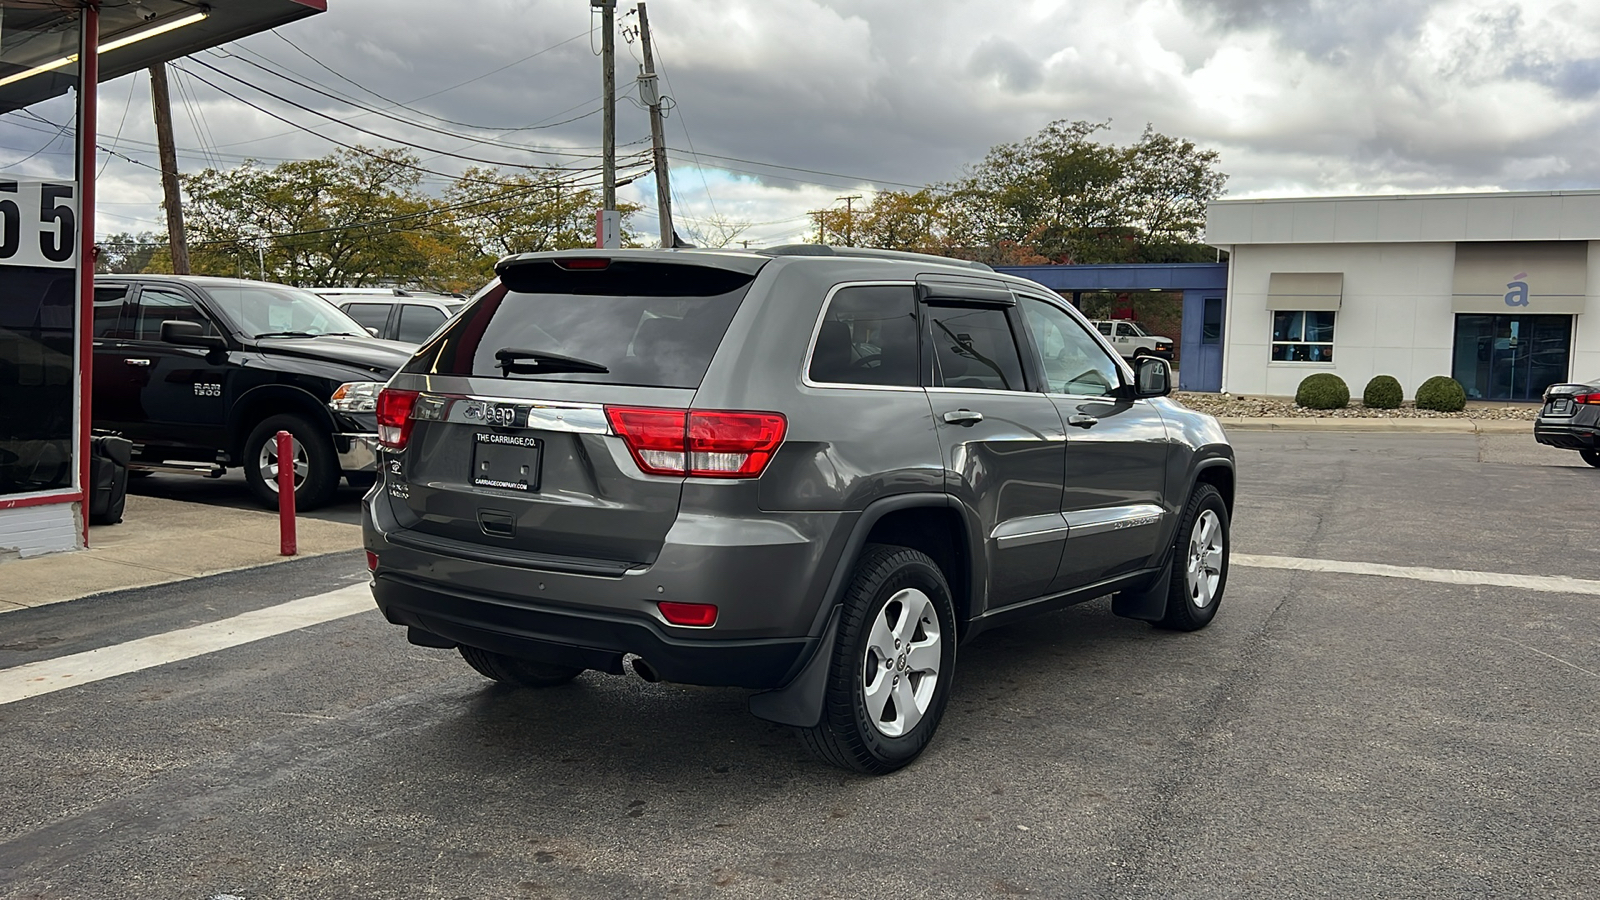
(1378, 425)
(161, 541)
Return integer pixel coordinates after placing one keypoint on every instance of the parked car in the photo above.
(1570, 419)
(201, 373)
(1131, 341)
(409, 320)
(805, 471)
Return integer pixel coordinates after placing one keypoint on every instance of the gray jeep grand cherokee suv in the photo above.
(807, 471)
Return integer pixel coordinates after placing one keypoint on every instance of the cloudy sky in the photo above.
(1299, 96)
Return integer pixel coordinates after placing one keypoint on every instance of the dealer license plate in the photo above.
(506, 461)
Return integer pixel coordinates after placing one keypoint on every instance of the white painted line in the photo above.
(1559, 584)
(49, 675)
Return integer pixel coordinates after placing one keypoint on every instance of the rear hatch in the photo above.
(511, 446)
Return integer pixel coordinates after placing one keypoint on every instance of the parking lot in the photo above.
(1390, 730)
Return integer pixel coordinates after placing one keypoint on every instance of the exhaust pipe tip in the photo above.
(643, 670)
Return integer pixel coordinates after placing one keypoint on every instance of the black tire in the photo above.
(322, 464)
(1592, 457)
(849, 736)
(1185, 612)
(515, 672)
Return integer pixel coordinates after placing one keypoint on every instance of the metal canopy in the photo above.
(134, 35)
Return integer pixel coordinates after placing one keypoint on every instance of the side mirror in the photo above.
(190, 334)
(372, 331)
(1151, 377)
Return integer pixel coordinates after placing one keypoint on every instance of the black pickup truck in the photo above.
(201, 373)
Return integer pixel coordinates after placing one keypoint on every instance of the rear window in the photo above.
(650, 324)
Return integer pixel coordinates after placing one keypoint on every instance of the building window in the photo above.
(1302, 336)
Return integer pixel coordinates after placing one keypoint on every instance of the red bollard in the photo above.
(286, 540)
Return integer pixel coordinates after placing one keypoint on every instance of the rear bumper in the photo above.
(586, 638)
(357, 452)
(1567, 435)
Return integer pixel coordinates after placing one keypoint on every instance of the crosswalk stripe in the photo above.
(1559, 584)
(49, 675)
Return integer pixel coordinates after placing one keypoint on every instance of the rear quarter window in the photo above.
(650, 324)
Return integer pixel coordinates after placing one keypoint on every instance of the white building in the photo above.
(1500, 291)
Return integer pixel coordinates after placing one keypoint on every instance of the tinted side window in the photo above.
(157, 306)
(108, 306)
(417, 322)
(1105, 328)
(868, 336)
(370, 315)
(974, 348)
(1072, 358)
(1126, 330)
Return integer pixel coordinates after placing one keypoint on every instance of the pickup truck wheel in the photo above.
(1199, 562)
(892, 665)
(1592, 457)
(316, 466)
(516, 672)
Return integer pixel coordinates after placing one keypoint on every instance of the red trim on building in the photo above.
(44, 500)
(88, 128)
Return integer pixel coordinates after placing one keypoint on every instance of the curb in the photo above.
(1378, 426)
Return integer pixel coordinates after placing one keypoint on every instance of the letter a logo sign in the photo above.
(1518, 293)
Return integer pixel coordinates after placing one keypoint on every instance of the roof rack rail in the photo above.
(866, 253)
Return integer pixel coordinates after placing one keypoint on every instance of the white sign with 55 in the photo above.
(38, 223)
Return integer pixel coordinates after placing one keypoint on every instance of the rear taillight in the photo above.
(698, 443)
(1589, 399)
(394, 417)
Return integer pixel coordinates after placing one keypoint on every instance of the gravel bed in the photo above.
(1230, 406)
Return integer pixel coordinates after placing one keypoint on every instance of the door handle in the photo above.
(137, 362)
(1082, 421)
(963, 417)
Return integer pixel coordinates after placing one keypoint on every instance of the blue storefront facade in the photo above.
(1204, 288)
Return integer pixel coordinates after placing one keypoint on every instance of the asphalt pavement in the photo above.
(1330, 735)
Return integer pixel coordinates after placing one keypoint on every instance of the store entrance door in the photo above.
(1511, 357)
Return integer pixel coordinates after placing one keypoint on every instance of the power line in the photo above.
(365, 152)
(338, 121)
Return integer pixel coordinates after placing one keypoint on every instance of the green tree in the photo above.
(520, 212)
(348, 219)
(125, 253)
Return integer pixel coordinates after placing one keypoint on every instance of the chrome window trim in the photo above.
(816, 329)
(1087, 522)
(543, 415)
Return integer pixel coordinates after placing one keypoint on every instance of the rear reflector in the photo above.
(372, 561)
(394, 417)
(697, 615)
(699, 443)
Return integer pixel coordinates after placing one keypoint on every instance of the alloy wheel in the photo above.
(267, 463)
(1204, 571)
(901, 668)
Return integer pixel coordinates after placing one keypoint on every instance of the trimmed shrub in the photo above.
(1323, 390)
(1383, 392)
(1442, 394)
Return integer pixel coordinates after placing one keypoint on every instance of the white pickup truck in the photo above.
(1132, 342)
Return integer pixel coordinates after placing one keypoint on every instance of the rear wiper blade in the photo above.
(539, 362)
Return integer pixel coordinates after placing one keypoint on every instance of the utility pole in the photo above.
(850, 219)
(650, 93)
(607, 225)
(161, 103)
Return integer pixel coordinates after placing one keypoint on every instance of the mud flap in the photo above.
(1150, 604)
(799, 703)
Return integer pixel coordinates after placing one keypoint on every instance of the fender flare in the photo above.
(296, 398)
(799, 703)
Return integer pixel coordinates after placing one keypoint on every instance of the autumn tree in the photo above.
(125, 253)
(501, 212)
(349, 219)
